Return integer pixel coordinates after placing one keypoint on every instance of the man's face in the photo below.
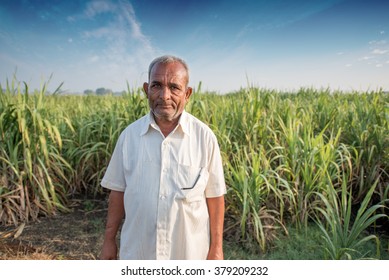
(167, 91)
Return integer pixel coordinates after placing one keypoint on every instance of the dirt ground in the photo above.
(77, 235)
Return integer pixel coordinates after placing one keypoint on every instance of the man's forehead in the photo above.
(171, 71)
(166, 75)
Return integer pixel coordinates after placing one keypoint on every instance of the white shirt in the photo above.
(165, 183)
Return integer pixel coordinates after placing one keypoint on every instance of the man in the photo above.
(166, 177)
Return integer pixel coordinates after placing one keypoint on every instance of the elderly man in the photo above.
(166, 177)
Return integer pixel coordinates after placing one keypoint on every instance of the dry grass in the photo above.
(73, 236)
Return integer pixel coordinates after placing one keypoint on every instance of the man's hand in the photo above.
(215, 254)
(114, 219)
(216, 221)
(109, 250)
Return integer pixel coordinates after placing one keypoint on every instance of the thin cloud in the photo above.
(379, 51)
(118, 45)
(129, 15)
(94, 58)
(123, 30)
(366, 58)
(377, 43)
(71, 19)
(100, 32)
(244, 31)
(97, 7)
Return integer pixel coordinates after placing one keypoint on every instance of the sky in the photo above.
(278, 44)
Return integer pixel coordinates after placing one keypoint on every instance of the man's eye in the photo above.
(155, 86)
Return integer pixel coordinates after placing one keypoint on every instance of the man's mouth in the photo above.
(164, 106)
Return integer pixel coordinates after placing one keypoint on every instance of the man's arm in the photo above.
(216, 220)
(114, 220)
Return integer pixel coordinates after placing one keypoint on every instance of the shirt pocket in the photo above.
(192, 181)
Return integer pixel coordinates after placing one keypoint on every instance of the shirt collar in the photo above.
(183, 122)
(148, 121)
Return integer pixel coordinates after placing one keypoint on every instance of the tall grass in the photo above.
(34, 173)
(280, 150)
(341, 232)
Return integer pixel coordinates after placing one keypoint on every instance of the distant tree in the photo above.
(89, 92)
(102, 91)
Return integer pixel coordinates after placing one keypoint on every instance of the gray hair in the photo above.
(169, 59)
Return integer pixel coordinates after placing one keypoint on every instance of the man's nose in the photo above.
(164, 93)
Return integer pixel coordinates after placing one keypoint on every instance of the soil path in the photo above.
(76, 235)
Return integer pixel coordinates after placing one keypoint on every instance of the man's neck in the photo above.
(167, 126)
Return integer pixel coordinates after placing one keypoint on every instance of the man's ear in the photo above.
(146, 88)
(188, 93)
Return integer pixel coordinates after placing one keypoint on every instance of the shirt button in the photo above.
(162, 197)
(165, 170)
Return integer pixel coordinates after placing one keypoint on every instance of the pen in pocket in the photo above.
(195, 182)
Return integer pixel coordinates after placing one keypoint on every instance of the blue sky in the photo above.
(284, 45)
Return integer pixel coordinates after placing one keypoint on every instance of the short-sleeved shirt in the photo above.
(166, 181)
